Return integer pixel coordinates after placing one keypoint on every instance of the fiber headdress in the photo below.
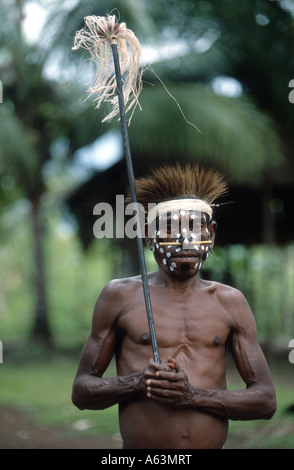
(170, 182)
(97, 37)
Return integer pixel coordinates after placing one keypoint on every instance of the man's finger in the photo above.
(173, 364)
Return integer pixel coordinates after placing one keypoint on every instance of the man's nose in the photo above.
(181, 238)
(185, 236)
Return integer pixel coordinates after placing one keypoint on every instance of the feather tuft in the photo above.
(174, 181)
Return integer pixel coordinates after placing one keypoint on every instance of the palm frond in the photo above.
(235, 136)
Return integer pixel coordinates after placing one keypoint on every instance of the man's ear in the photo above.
(212, 230)
(148, 240)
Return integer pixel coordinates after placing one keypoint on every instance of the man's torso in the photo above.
(194, 329)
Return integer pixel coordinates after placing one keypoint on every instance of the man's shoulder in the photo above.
(115, 295)
(227, 293)
(234, 302)
(121, 286)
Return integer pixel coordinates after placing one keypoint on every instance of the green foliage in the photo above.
(74, 279)
(265, 275)
(243, 156)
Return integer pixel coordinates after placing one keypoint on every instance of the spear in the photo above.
(101, 35)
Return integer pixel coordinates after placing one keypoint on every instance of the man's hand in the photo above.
(168, 384)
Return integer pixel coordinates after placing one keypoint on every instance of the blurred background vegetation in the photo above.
(228, 64)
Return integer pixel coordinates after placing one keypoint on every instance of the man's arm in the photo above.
(90, 389)
(257, 401)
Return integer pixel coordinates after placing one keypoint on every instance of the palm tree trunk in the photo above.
(41, 329)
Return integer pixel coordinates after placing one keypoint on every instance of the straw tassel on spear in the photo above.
(106, 40)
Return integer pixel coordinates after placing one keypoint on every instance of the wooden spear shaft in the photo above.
(130, 170)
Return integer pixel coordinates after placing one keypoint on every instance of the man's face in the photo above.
(175, 243)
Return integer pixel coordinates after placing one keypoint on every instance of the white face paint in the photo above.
(185, 228)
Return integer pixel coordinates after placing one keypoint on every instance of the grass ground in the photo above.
(37, 390)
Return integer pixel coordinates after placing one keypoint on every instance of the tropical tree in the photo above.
(37, 113)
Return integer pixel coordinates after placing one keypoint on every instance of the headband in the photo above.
(177, 205)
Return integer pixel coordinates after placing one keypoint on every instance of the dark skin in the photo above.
(181, 403)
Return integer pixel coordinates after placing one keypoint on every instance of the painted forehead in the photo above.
(184, 215)
(181, 206)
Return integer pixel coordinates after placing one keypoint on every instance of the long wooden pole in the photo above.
(130, 170)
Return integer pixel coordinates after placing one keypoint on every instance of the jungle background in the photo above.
(229, 65)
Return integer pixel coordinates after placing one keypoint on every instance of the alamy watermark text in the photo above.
(122, 225)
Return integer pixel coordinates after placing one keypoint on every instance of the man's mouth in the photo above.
(185, 254)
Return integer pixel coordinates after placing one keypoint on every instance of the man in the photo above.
(181, 403)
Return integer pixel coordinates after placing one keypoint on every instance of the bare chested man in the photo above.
(183, 402)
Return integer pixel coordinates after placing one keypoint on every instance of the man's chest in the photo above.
(186, 323)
